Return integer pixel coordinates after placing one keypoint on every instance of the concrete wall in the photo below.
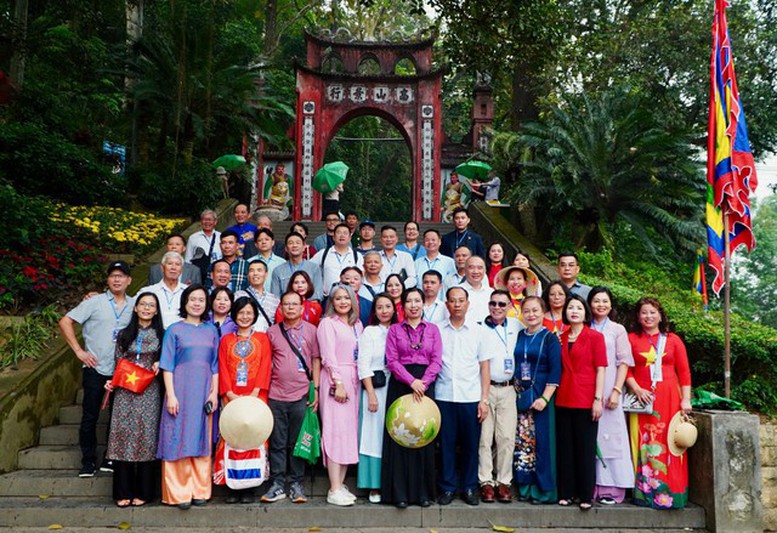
(35, 401)
(769, 475)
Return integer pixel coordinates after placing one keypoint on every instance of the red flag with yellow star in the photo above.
(132, 377)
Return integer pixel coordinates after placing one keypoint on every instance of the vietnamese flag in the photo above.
(132, 377)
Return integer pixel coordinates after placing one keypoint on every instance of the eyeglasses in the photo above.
(147, 305)
(497, 304)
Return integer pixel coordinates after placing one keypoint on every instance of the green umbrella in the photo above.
(474, 170)
(229, 161)
(330, 176)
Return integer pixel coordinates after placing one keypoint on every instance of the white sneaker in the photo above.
(338, 497)
(347, 492)
(374, 496)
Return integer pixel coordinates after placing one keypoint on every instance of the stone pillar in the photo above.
(725, 471)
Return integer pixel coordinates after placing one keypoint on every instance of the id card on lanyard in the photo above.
(117, 314)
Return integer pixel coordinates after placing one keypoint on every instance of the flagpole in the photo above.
(727, 309)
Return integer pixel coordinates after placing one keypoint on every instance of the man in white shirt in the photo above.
(334, 259)
(497, 432)
(207, 239)
(434, 305)
(460, 257)
(433, 260)
(396, 261)
(264, 240)
(169, 290)
(461, 392)
(476, 285)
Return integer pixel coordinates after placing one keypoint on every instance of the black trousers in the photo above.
(575, 453)
(288, 417)
(93, 384)
(135, 480)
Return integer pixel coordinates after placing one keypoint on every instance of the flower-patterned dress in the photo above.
(135, 417)
(661, 478)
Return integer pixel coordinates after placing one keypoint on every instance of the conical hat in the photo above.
(246, 423)
(532, 282)
(682, 434)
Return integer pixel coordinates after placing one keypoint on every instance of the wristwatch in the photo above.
(597, 398)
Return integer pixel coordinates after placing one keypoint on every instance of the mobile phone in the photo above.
(208, 407)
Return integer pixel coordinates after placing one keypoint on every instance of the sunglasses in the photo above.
(497, 304)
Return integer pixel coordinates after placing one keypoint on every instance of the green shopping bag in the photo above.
(308, 444)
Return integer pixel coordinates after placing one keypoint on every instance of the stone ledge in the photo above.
(768, 435)
(768, 456)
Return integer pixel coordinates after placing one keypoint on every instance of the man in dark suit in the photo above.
(189, 274)
(462, 236)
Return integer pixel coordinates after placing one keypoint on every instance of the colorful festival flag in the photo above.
(699, 281)
(731, 174)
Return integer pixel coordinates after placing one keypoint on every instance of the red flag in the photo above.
(132, 377)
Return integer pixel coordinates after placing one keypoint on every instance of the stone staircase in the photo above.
(768, 439)
(281, 228)
(46, 490)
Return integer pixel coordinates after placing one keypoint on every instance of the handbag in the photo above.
(378, 379)
(631, 404)
(203, 261)
(308, 445)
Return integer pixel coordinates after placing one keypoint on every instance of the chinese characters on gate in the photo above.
(361, 94)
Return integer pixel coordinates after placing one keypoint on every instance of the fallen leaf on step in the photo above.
(501, 529)
(124, 526)
(432, 531)
(43, 496)
(55, 526)
(314, 528)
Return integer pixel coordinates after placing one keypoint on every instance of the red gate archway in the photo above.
(393, 80)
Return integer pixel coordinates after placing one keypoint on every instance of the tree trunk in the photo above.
(19, 56)
(523, 106)
(270, 27)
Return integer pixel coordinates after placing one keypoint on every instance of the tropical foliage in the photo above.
(598, 163)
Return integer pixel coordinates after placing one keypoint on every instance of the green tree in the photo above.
(754, 287)
(597, 163)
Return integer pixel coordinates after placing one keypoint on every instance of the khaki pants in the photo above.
(497, 437)
(186, 479)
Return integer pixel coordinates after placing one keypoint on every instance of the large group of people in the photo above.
(529, 382)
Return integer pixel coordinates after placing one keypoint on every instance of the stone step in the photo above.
(71, 414)
(66, 483)
(259, 529)
(86, 512)
(67, 434)
(53, 457)
(768, 434)
(768, 456)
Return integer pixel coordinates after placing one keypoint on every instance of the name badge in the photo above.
(508, 369)
(242, 374)
(115, 334)
(525, 371)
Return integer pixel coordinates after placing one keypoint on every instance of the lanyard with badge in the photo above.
(508, 361)
(117, 314)
(430, 316)
(142, 333)
(526, 373)
(243, 349)
(355, 346)
(298, 342)
(461, 239)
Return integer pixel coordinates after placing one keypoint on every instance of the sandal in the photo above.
(122, 503)
(585, 506)
(137, 502)
(564, 503)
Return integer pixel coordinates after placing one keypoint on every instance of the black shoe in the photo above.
(87, 470)
(401, 505)
(232, 498)
(426, 503)
(446, 498)
(185, 506)
(470, 497)
(199, 503)
(247, 497)
(107, 466)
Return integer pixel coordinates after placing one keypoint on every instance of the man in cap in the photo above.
(366, 237)
(101, 318)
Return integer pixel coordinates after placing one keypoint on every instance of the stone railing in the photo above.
(769, 474)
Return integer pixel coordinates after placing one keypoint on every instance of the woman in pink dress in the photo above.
(338, 335)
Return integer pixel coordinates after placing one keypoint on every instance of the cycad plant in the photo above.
(596, 165)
